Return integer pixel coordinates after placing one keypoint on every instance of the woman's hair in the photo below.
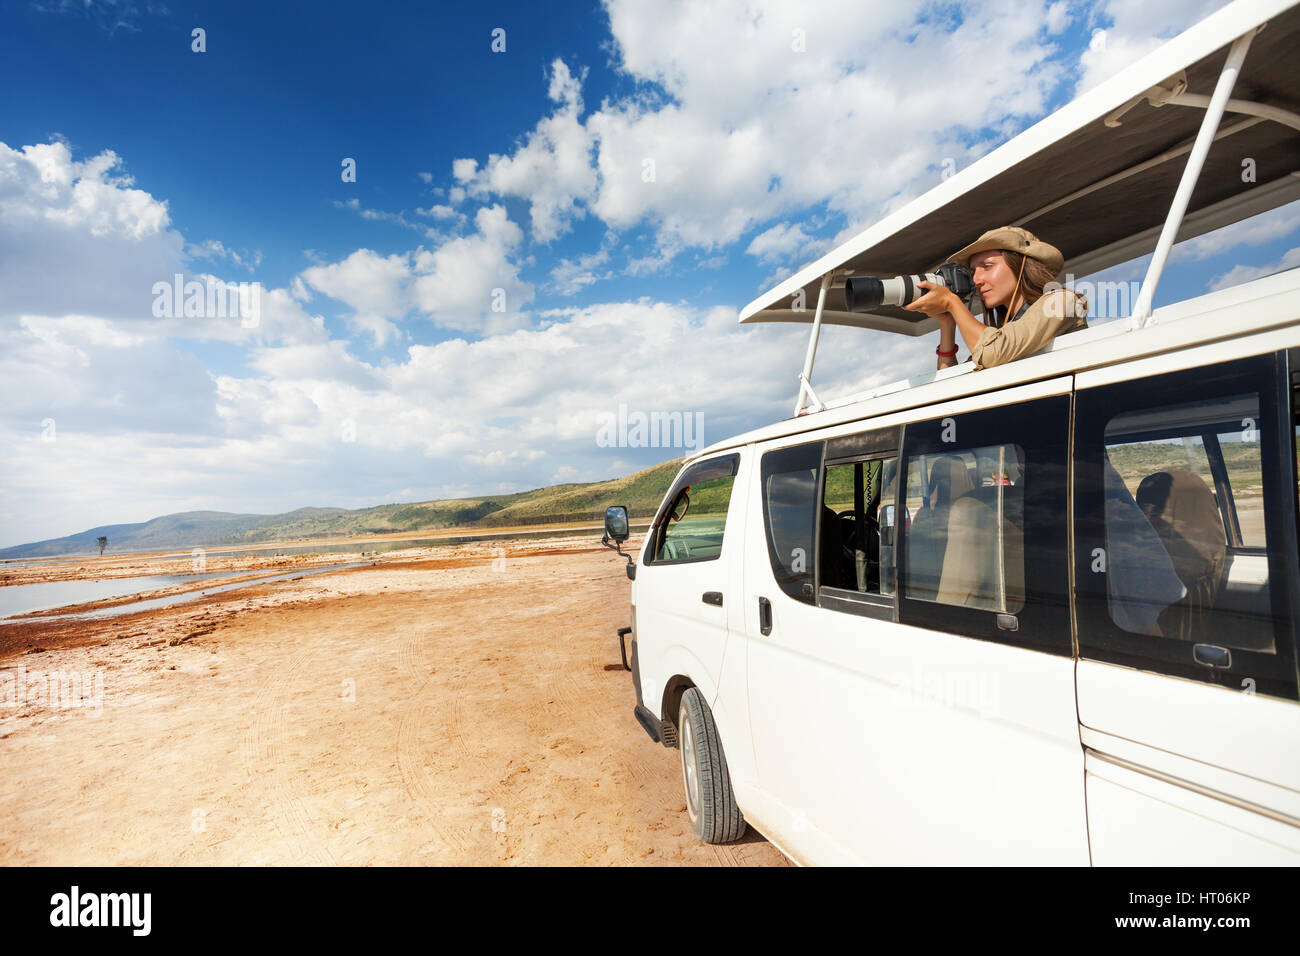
(1033, 280)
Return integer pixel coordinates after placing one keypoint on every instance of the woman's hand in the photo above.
(936, 303)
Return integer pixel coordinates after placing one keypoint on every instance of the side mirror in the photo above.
(616, 526)
(617, 531)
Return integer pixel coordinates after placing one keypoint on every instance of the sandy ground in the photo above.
(457, 705)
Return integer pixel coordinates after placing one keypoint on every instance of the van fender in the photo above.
(677, 667)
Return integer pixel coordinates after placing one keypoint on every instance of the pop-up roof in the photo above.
(1097, 178)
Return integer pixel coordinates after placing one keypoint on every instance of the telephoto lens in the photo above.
(864, 293)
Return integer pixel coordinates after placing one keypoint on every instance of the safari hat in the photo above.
(1013, 239)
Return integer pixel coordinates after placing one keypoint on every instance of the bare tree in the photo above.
(102, 542)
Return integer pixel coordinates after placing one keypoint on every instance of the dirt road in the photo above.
(463, 705)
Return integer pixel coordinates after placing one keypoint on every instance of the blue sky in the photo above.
(379, 370)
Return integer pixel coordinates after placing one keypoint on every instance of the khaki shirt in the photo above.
(1055, 313)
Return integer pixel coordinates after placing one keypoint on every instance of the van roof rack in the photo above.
(1115, 146)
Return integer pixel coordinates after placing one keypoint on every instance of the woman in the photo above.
(1015, 274)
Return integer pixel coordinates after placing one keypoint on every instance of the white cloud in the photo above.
(440, 212)
(552, 169)
(468, 283)
(1242, 273)
(783, 242)
(77, 239)
(1127, 30)
(375, 287)
(214, 250)
(571, 276)
(1265, 227)
(710, 146)
(43, 181)
(1058, 16)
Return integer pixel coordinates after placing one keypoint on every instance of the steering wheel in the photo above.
(871, 524)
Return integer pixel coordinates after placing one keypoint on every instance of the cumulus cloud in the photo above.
(552, 168)
(784, 242)
(468, 283)
(77, 238)
(1244, 273)
(797, 112)
(1254, 231)
(571, 276)
(1124, 31)
(471, 283)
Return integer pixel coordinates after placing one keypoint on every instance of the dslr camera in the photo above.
(864, 293)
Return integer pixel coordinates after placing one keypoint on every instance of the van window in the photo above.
(856, 549)
(790, 515)
(691, 526)
(965, 541)
(1183, 549)
(983, 537)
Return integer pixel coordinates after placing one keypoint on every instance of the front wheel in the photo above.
(710, 804)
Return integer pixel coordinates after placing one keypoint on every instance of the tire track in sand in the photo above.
(263, 750)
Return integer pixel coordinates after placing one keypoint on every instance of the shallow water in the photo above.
(152, 603)
(21, 598)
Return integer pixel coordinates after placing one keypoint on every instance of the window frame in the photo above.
(877, 444)
(691, 476)
(1041, 427)
(807, 592)
(1100, 638)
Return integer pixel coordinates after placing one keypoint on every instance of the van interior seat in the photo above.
(927, 540)
(970, 576)
(1184, 513)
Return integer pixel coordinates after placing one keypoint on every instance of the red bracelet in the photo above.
(945, 354)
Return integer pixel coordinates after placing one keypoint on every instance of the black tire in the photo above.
(710, 803)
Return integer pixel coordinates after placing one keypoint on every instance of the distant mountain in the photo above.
(641, 491)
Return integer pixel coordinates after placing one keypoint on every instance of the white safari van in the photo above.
(1044, 613)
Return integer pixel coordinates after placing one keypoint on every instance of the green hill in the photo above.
(641, 491)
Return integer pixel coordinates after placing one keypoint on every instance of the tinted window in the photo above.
(1176, 537)
(1185, 524)
(984, 539)
(790, 515)
(965, 543)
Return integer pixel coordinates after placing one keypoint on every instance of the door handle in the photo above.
(764, 616)
(713, 597)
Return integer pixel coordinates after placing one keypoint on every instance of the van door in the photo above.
(911, 676)
(1186, 570)
(688, 579)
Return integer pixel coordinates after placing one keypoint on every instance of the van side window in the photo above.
(965, 544)
(1185, 545)
(984, 539)
(790, 515)
(1183, 548)
(691, 526)
(857, 543)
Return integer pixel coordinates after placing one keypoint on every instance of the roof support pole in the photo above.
(1195, 162)
(805, 377)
